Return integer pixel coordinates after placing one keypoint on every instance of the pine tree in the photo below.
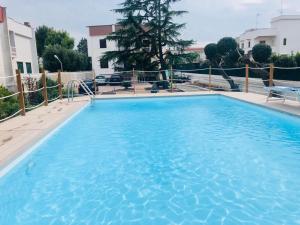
(147, 35)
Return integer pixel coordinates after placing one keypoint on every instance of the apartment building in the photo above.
(17, 49)
(98, 45)
(283, 35)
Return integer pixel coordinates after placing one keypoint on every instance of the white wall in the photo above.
(25, 45)
(5, 57)
(96, 53)
(281, 27)
(288, 27)
(254, 36)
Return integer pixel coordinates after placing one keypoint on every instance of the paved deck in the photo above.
(19, 133)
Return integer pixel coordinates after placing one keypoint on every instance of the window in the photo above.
(284, 41)
(103, 43)
(262, 42)
(243, 45)
(28, 68)
(103, 64)
(20, 67)
(249, 44)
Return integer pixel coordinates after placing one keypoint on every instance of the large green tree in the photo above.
(52, 42)
(82, 46)
(224, 53)
(41, 35)
(147, 35)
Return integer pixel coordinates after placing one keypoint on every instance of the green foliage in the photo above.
(51, 42)
(8, 106)
(35, 98)
(82, 46)
(232, 58)
(261, 53)
(297, 58)
(211, 51)
(61, 38)
(41, 35)
(147, 27)
(226, 51)
(284, 61)
(226, 45)
(72, 60)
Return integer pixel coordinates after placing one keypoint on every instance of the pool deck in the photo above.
(20, 133)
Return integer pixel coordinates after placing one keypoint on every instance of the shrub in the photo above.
(8, 106)
(35, 98)
(297, 58)
(261, 53)
(226, 45)
(284, 61)
(211, 51)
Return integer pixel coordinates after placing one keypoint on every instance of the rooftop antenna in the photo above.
(281, 8)
(257, 16)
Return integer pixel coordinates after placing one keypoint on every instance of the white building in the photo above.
(98, 45)
(283, 36)
(17, 49)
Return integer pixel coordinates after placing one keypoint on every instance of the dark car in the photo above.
(90, 84)
(100, 80)
(116, 80)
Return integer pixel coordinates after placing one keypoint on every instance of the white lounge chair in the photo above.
(282, 92)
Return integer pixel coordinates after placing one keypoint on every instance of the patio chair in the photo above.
(282, 92)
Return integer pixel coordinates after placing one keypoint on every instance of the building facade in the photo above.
(17, 49)
(98, 45)
(283, 36)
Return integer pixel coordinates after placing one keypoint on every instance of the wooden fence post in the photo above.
(271, 78)
(21, 93)
(45, 94)
(247, 79)
(59, 85)
(209, 78)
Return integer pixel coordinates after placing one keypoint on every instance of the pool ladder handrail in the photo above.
(70, 86)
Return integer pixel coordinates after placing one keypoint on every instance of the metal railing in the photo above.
(70, 89)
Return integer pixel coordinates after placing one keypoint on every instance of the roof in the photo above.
(286, 17)
(194, 49)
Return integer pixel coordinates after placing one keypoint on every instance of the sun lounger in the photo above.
(282, 92)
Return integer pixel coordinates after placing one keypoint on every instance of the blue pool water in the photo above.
(189, 160)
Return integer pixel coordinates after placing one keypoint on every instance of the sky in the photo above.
(207, 20)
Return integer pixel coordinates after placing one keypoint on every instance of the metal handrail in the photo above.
(71, 84)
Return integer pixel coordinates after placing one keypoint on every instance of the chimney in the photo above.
(27, 24)
(2, 14)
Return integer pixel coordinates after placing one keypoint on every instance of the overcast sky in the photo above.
(207, 21)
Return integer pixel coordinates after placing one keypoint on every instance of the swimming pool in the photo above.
(186, 160)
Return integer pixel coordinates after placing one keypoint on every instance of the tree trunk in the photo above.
(160, 47)
(233, 86)
(263, 74)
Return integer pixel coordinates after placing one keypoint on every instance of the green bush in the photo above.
(284, 61)
(297, 58)
(261, 53)
(35, 98)
(8, 106)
